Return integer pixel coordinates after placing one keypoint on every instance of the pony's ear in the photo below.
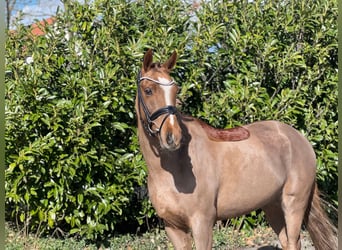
(170, 63)
(148, 59)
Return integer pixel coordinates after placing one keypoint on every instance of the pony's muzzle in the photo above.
(171, 134)
(170, 138)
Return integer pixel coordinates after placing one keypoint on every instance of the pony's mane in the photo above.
(230, 134)
(156, 66)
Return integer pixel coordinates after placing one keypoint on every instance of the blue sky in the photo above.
(36, 9)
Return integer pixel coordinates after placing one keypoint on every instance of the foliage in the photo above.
(72, 155)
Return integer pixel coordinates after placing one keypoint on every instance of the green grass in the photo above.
(224, 238)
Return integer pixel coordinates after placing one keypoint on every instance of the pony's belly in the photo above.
(247, 198)
(234, 211)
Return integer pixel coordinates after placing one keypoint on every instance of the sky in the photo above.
(36, 9)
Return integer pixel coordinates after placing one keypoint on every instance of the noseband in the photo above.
(150, 118)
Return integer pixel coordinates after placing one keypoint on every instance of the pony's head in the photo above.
(156, 101)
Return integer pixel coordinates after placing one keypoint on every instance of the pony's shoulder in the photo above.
(231, 134)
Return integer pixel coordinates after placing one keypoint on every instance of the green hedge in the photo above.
(73, 163)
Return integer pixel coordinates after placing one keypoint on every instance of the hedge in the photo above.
(73, 163)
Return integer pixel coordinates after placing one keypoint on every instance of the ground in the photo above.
(225, 238)
(266, 239)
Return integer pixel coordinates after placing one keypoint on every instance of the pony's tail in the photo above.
(322, 232)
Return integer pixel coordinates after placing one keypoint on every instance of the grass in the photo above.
(224, 238)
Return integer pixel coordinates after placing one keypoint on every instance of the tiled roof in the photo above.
(38, 28)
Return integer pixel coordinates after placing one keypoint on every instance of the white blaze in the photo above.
(167, 94)
(167, 90)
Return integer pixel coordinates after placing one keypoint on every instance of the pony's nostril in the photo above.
(169, 138)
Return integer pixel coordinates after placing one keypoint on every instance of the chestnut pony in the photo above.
(198, 174)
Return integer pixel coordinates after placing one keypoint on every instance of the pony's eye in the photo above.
(148, 91)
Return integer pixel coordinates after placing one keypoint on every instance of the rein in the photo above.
(150, 118)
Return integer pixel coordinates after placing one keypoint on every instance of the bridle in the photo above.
(150, 118)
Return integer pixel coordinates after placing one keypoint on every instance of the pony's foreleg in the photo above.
(180, 239)
(202, 231)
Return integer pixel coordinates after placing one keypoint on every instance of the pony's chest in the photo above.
(169, 206)
(163, 199)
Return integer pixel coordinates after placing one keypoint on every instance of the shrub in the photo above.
(72, 157)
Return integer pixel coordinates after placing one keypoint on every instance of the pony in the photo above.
(198, 174)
